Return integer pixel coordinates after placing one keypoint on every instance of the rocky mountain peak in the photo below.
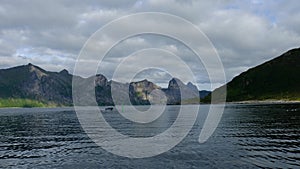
(191, 86)
(37, 71)
(175, 83)
(64, 72)
(144, 85)
(100, 80)
(30, 81)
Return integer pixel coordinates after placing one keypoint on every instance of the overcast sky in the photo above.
(51, 34)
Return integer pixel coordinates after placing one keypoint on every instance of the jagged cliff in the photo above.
(32, 82)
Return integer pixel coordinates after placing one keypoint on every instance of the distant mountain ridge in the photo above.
(277, 79)
(32, 82)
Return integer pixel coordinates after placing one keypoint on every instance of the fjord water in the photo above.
(248, 136)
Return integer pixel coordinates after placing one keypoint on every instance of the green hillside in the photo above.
(276, 79)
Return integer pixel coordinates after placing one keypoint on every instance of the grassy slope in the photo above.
(277, 79)
(24, 103)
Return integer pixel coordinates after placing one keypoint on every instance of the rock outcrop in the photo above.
(32, 82)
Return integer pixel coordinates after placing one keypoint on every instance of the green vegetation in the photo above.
(33, 83)
(195, 100)
(26, 103)
(31, 86)
(277, 79)
(139, 94)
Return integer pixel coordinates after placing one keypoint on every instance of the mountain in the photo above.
(275, 79)
(203, 93)
(178, 91)
(34, 83)
(140, 92)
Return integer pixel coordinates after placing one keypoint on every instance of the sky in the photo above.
(51, 34)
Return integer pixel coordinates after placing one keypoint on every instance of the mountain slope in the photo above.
(276, 79)
(30, 83)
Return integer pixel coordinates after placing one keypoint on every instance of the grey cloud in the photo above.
(51, 33)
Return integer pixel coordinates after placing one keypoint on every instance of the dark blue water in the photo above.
(248, 136)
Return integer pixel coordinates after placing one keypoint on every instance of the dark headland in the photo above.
(275, 81)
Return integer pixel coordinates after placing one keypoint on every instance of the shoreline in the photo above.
(63, 107)
(234, 102)
(265, 102)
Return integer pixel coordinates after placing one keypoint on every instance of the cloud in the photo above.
(52, 33)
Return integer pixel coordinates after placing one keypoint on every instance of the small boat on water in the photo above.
(107, 109)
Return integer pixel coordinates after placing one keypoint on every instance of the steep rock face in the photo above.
(100, 80)
(191, 86)
(177, 91)
(175, 84)
(173, 91)
(32, 82)
(104, 95)
(140, 92)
